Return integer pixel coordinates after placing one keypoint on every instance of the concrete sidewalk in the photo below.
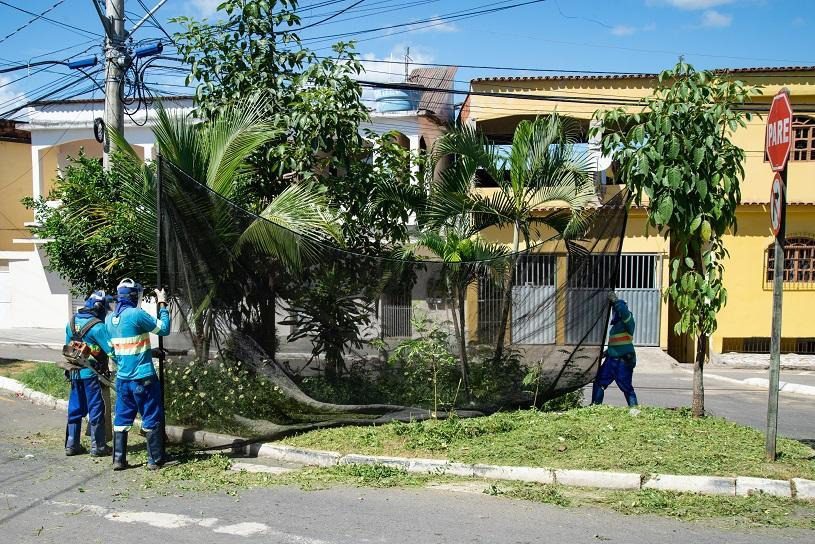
(48, 338)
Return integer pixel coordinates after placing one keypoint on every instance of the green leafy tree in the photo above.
(542, 170)
(314, 103)
(94, 242)
(678, 153)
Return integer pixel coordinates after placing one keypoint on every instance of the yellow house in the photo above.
(497, 104)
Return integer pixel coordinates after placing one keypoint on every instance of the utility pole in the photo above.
(116, 61)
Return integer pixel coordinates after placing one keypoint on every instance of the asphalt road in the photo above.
(48, 498)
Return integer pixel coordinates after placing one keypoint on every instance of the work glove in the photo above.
(161, 296)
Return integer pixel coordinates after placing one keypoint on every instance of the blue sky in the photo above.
(606, 35)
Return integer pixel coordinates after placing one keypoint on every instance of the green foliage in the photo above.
(210, 393)
(679, 154)
(494, 379)
(427, 360)
(757, 510)
(331, 313)
(95, 242)
(314, 107)
(547, 494)
(47, 378)
(542, 168)
(569, 401)
(591, 438)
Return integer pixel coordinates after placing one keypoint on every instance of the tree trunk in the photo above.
(458, 327)
(507, 303)
(462, 345)
(698, 404)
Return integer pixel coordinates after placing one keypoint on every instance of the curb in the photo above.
(762, 383)
(797, 488)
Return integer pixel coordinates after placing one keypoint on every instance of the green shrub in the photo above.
(210, 393)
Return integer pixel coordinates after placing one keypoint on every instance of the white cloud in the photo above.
(12, 98)
(437, 24)
(690, 4)
(391, 67)
(623, 30)
(203, 8)
(626, 30)
(714, 19)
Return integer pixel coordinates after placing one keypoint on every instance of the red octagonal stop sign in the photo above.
(778, 139)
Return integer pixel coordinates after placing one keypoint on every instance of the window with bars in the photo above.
(803, 139)
(799, 261)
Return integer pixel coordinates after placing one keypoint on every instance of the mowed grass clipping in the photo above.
(593, 438)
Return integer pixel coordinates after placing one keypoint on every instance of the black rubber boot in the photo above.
(119, 450)
(73, 432)
(155, 450)
(98, 446)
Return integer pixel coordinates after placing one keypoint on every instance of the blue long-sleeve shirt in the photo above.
(97, 339)
(130, 334)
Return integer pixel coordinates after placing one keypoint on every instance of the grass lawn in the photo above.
(45, 377)
(593, 438)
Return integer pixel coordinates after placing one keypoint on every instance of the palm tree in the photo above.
(542, 171)
(200, 160)
(466, 257)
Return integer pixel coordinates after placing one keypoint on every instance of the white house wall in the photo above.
(32, 297)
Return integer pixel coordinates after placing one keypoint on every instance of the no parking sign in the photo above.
(776, 203)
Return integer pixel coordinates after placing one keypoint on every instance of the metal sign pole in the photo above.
(777, 145)
(775, 340)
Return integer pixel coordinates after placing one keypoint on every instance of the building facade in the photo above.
(34, 152)
(744, 324)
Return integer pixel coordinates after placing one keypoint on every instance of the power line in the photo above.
(337, 14)
(39, 16)
(52, 21)
(433, 21)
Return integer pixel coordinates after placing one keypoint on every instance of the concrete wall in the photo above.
(33, 296)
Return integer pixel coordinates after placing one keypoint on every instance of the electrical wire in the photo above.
(52, 21)
(29, 22)
(337, 14)
(482, 9)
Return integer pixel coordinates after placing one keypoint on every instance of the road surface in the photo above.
(48, 498)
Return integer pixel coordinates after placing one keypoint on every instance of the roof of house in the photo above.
(9, 132)
(748, 70)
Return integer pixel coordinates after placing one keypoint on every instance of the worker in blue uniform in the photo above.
(620, 356)
(137, 387)
(86, 399)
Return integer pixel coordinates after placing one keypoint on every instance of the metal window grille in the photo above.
(761, 344)
(396, 315)
(799, 263)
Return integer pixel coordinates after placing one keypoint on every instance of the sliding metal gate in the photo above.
(533, 303)
(533, 300)
(638, 283)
